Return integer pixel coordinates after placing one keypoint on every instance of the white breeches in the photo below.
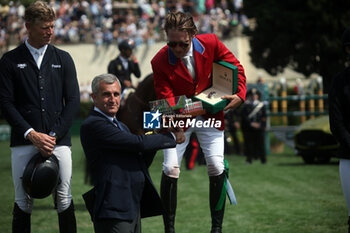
(211, 141)
(20, 156)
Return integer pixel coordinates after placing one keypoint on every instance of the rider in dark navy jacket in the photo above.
(125, 64)
(39, 97)
(45, 100)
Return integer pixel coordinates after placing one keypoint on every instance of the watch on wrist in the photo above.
(52, 134)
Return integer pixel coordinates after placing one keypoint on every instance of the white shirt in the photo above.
(38, 54)
(125, 62)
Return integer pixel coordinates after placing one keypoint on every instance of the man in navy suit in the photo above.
(123, 192)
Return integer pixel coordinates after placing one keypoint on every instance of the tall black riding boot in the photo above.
(217, 202)
(168, 194)
(66, 220)
(20, 221)
(349, 225)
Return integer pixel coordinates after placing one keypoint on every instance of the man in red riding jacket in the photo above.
(183, 67)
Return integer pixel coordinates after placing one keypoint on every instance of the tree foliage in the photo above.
(304, 35)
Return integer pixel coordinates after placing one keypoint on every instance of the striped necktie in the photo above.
(187, 62)
(115, 121)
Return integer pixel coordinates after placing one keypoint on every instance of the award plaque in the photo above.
(177, 105)
(224, 82)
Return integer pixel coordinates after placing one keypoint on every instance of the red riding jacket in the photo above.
(171, 77)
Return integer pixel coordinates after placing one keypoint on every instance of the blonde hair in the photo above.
(39, 11)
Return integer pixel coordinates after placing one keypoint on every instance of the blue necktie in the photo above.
(115, 121)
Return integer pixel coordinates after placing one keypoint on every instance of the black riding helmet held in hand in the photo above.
(40, 176)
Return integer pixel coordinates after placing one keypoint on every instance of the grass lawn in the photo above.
(284, 196)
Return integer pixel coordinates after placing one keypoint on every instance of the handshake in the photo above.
(179, 135)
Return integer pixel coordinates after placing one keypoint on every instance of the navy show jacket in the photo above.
(45, 99)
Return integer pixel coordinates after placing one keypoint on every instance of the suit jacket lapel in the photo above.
(47, 56)
(120, 63)
(178, 67)
(95, 113)
(200, 57)
(27, 55)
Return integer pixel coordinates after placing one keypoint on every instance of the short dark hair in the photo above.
(180, 21)
(39, 11)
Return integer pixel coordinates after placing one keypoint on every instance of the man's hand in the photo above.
(180, 136)
(127, 83)
(255, 125)
(133, 58)
(43, 142)
(235, 101)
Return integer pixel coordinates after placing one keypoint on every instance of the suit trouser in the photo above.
(344, 172)
(117, 225)
(20, 156)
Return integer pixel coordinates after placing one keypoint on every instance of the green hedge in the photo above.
(85, 108)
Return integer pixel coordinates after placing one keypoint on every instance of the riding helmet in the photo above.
(126, 44)
(40, 176)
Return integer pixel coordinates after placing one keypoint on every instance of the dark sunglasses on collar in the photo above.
(173, 44)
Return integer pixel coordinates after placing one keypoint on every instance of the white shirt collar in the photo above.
(125, 62)
(41, 51)
(98, 110)
(38, 54)
(123, 58)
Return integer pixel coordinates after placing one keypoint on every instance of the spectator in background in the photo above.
(239, 14)
(188, 6)
(299, 87)
(238, 7)
(209, 5)
(3, 40)
(125, 64)
(107, 38)
(253, 117)
(232, 127)
(95, 10)
(85, 91)
(260, 79)
(98, 38)
(83, 17)
(171, 5)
